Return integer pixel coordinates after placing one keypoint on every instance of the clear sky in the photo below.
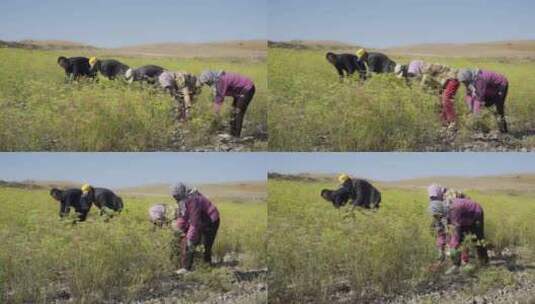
(111, 23)
(397, 166)
(383, 23)
(132, 169)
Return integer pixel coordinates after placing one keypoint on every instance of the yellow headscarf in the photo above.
(86, 188)
(360, 53)
(343, 177)
(92, 60)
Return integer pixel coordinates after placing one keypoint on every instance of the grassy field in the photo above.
(316, 251)
(120, 260)
(311, 110)
(42, 112)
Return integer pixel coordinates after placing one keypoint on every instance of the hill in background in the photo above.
(246, 191)
(521, 182)
(252, 49)
(516, 49)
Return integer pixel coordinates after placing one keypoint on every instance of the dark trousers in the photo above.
(499, 101)
(208, 235)
(239, 106)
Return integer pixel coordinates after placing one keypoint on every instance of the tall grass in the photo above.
(42, 112)
(103, 261)
(311, 110)
(313, 247)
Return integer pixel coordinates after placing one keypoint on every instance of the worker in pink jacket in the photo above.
(198, 219)
(241, 88)
(464, 216)
(487, 88)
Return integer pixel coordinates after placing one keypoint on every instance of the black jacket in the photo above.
(72, 198)
(347, 63)
(103, 197)
(361, 193)
(149, 73)
(77, 66)
(379, 63)
(110, 68)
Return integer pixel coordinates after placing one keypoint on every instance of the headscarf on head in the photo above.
(210, 77)
(129, 75)
(452, 194)
(343, 177)
(467, 75)
(86, 188)
(398, 70)
(182, 191)
(438, 208)
(361, 53)
(436, 191)
(92, 60)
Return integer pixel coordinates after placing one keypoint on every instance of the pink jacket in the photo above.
(231, 84)
(198, 213)
(462, 213)
(485, 87)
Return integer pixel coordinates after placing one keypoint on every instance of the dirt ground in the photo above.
(465, 288)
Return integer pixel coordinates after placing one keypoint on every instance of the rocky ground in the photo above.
(468, 141)
(221, 142)
(478, 141)
(242, 286)
(508, 279)
(246, 286)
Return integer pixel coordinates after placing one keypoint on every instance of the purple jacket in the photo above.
(415, 67)
(231, 84)
(462, 212)
(487, 85)
(157, 212)
(199, 213)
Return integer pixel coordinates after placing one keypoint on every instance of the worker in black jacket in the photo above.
(70, 198)
(376, 62)
(359, 191)
(75, 67)
(347, 65)
(110, 68)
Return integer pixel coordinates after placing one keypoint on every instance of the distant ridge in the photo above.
(30, 184)
(254, 49)
(518, 48)
(251, 49)
(312, 45)
(244, 191)
(516, 182)
(240, 191)
(513, 48)
(46, 45)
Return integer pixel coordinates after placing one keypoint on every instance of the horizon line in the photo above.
(350, 43)
(510, 174)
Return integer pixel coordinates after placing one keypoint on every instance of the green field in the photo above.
(40, 112)
(119, 260)
(310, 110)
(315, 250)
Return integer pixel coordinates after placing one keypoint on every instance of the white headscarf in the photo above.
(210, 77)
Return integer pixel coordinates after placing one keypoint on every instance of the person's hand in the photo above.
(217, 108)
